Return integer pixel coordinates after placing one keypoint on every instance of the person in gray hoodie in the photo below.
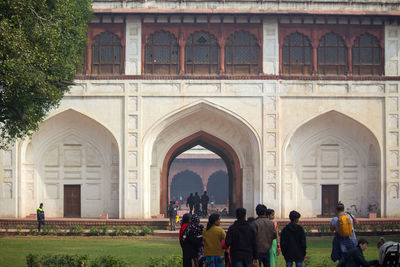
(265, 234)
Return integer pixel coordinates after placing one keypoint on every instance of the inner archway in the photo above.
(215, 145)
(217, 185)
(183, 184)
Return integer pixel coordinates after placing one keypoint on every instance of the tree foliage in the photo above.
(41, 48)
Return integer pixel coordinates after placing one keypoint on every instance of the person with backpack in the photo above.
(213, 236)
(345, 238)
(293, 241)
(355, 257)
(172, 212)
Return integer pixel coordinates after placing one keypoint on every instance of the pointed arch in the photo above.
(332, 149)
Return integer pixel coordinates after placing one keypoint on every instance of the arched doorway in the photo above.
(217, 187)
(73, 162)
(328, 159)
(230, 137)
(184, 183)
(215, 145)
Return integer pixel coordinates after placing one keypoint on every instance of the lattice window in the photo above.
(201, 55)
(242, 54)
(106, 54)
(296, 52)
(332, 55)
(367, 56)
(161, 54)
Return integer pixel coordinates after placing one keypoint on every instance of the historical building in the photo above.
(300, 99)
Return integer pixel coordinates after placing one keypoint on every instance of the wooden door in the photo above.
(329, 199)
(72, 201)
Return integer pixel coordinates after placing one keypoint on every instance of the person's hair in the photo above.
(41, 204)
(293, 215)
(362, 241)
(261, 209)
(380, 242)
(212, 219)
(240, 214)
(186, 218)
(340, 206)
(251, 219)
(269, 212)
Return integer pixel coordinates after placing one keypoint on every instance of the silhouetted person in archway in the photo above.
(196, 200)
(172, 212)
(190, 202)
(204, 203)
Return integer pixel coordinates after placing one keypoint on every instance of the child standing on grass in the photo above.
(293, 241)
(275, 248)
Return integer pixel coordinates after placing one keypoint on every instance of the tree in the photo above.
(41, 48)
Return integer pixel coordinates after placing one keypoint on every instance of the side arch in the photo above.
(332, 149)
(71, 148)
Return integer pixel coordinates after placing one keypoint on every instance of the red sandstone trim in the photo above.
(237, 77)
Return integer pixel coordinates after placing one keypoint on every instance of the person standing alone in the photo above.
(190, 202)
(40, 216)
(172, 212)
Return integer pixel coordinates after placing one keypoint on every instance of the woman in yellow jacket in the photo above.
(212, 239)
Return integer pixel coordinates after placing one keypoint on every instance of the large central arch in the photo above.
(215, 145)
(213, 127)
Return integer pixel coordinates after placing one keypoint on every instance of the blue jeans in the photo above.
(263, 259)
(290, 264)
(242, 263)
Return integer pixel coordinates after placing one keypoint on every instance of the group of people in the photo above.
(194, 201)
(248, 242)
(256, 242)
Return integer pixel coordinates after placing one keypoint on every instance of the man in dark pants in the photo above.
(265, 233)
(355, 257)
(172, 212)
(241, 238)
(196, 201)
(40, 216)
(190, 202)
(204, 203)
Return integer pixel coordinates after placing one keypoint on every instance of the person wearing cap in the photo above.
(355, 256)
(293, 241)
(40, 217)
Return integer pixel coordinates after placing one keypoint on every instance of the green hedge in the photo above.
(166, 261)
(64, 260)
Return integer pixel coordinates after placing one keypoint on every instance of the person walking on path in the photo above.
(265, 234)
(192, 241)
(204, 203)
(345, 238)
(212, 240)
(293, 241)
(275, 247)
(40, 217)
(172, 212)
(190, 203)
(241, 238)
(355, 257)
(196, 201)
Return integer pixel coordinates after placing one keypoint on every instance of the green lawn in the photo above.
(136, 250)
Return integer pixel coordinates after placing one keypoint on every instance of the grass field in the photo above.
(13, 249)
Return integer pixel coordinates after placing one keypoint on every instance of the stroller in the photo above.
(392, 256)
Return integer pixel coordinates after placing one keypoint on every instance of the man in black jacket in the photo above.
(241, 238)
(40, 216)
(190, 202)
(355, 257)
(293, 241)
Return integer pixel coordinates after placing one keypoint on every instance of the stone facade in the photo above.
(290, 136)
